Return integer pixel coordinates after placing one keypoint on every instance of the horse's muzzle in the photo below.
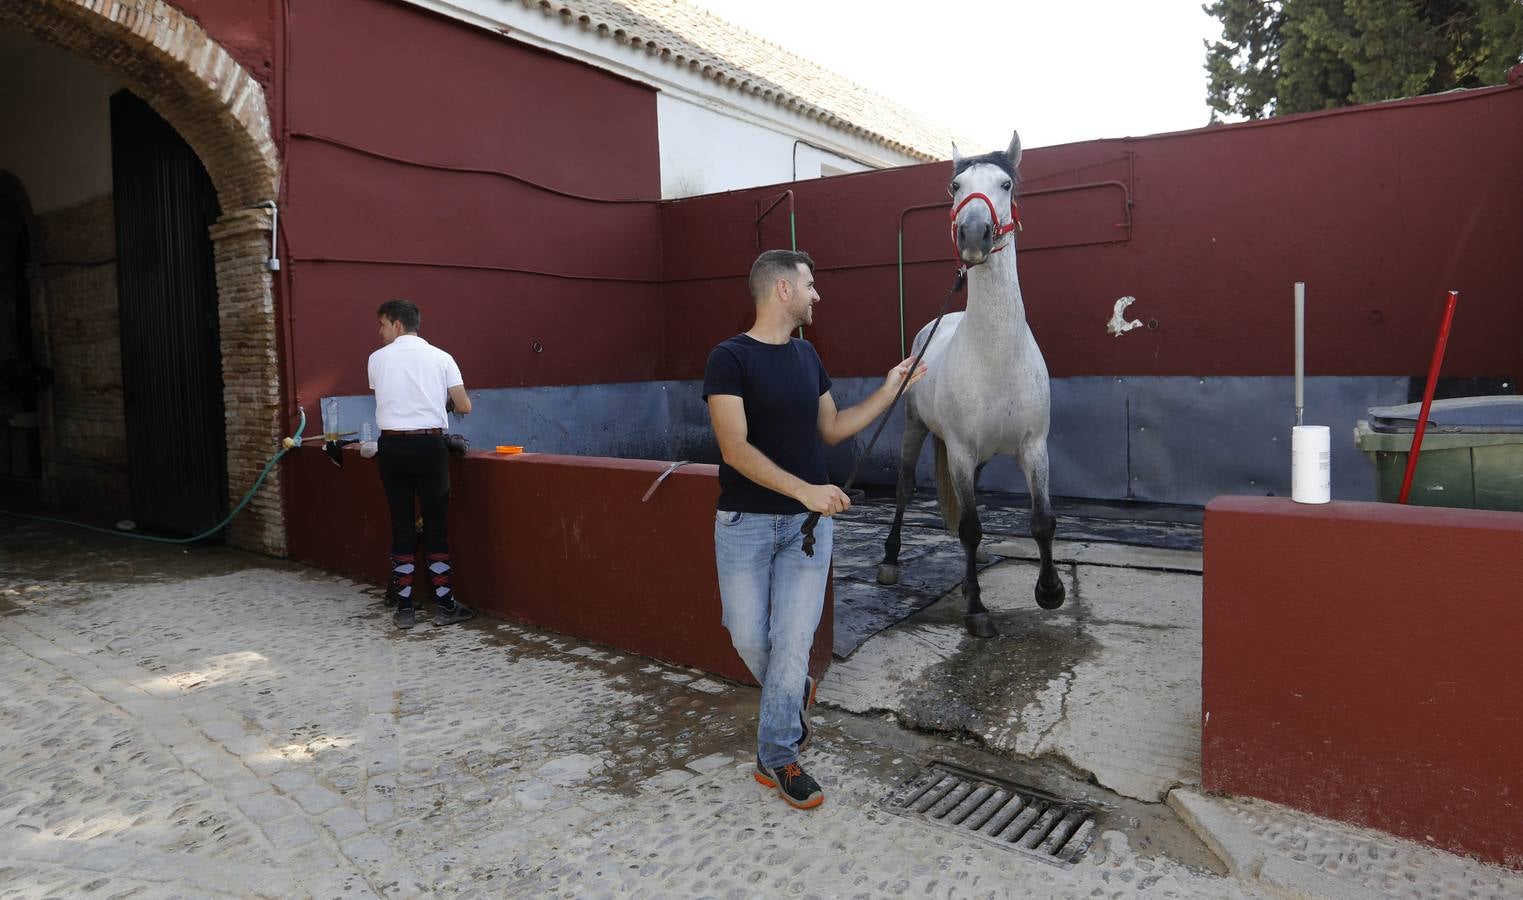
(975, 240)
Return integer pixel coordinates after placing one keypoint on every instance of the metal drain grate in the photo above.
(997, 811)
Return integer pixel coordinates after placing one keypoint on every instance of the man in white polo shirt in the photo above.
(414, 384)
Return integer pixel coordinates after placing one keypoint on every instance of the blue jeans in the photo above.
(772, 596)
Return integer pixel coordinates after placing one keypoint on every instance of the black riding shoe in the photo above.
(458, 613)
(404, 618)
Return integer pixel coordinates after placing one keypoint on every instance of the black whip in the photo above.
(814, 517)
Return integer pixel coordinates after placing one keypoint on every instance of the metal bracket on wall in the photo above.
(273, 262)
(793, 241)
(662, 477)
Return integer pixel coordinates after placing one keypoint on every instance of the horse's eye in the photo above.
(953, 188)
(1005, 186)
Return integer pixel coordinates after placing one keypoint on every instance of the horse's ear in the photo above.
(1014, 151)
(956, 157)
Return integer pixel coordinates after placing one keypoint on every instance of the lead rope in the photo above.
(814, 518)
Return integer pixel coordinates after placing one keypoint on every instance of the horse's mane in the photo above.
(997, 159)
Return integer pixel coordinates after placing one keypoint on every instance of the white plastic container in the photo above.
(1311, 464)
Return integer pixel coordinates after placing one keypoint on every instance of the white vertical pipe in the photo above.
(1300, 349)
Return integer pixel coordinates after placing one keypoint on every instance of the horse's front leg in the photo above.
(982, 556)
(909, 456)
(964, 476)
(1049, 587)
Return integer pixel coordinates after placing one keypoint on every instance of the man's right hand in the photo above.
(825, 499)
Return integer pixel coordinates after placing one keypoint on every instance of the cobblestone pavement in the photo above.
(206, 723)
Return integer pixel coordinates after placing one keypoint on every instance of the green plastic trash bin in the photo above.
(1472, 453)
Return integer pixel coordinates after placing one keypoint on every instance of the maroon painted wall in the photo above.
(1379, 209)
(247, 29)
(562, 542)
(1360, 661)
(387, 78)
(495, 263)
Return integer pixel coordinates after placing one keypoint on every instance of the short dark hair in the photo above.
(775, 264)
(404, 311)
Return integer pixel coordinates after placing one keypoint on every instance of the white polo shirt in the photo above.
(411, 379)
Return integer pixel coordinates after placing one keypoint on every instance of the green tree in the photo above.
(1291, 56)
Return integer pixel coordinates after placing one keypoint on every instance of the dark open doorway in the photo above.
(171, 354)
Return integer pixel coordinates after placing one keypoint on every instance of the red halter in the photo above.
(1000, 230)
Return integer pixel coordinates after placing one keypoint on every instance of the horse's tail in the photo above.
(946, 495)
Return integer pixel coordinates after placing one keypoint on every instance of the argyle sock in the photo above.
(440, 577)
(400, 586)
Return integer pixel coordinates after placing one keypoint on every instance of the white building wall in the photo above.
(713, 137)
(705, 151)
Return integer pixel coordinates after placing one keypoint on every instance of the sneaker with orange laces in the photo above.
(793, 783)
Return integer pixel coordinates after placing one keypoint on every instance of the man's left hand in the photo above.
(897, 374)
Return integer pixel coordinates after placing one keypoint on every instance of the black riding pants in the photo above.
(416, 465)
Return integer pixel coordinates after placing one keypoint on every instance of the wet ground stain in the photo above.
(992, 676)
(34, 552)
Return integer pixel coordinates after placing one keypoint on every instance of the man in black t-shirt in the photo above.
(770, 404)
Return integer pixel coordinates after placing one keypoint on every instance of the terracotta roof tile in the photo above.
(687, 36)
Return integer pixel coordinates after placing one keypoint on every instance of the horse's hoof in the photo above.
(1050, 598)
(980, 625)
(888, 573)
(981, 556)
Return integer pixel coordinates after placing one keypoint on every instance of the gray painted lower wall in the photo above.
(1158, 439)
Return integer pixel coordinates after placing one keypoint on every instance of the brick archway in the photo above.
(217, 106)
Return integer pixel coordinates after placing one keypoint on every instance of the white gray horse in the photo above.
(987, 390)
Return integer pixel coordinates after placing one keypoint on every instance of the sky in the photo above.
(1057, 70)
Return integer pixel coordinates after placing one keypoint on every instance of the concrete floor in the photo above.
(1109, 684)
(206, 723)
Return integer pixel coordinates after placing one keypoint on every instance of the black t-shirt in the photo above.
(781, 386)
